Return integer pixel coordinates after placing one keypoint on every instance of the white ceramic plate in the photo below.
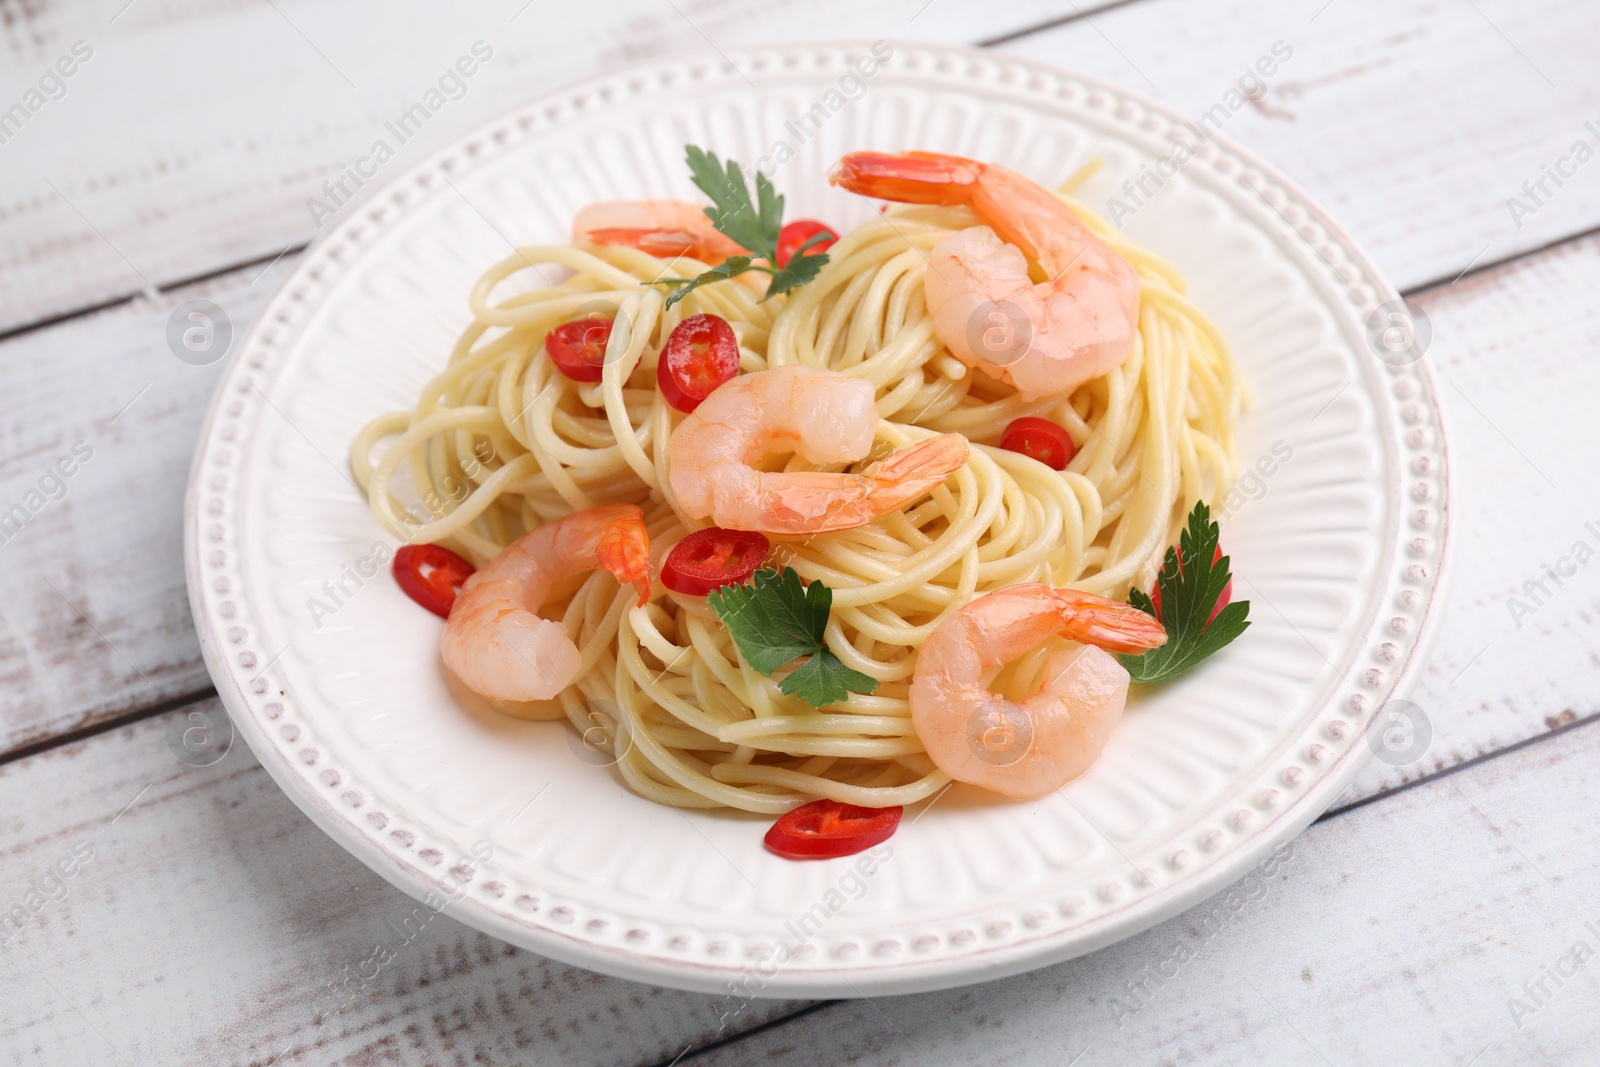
(1340, 554)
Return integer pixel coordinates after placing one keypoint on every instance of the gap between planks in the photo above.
(101, 726)
(1473, 269)
(690, 1054)
(295, 248)
(290, 251)
(137, 715)
(1078, 14)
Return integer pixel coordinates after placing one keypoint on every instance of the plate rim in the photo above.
(865, 976)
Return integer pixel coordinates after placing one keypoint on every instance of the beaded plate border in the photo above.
(1280, 800)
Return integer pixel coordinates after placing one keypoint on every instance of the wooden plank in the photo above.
(210, 922)
(1398, 933)
(1413, 122)
(1517, 653)
(94, 618)
(194, 134)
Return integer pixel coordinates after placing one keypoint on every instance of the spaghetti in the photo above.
(499, 443)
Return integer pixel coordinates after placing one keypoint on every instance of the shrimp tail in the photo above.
(908, 177)
(900, 478)
(1107, 624)
(663, 244)
(624, 550)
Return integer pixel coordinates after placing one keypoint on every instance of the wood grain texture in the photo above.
(1397, 933)
(213, 916)
(194, 135)
(1517, 353)
(94, 617)
(1413, 122)
(132, 179)
(213, 923)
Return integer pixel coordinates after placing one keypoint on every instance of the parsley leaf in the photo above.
(754, 225)
(731, 267)
(800, 269)
(775, 620)
(1188, 593)
(824, 679)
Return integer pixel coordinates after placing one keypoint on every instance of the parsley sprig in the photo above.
(752, 222)
(775, 620)
(1188, 593)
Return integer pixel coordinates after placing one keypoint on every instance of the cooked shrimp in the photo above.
(824, 417)
(494, 641)
(1029, 749)
(664, 228)
(1046, 338)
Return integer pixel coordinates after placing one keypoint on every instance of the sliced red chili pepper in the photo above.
(700, 355)
(578, 349)
(431, 576)
(824, 829)
(709, 559)
(1039, 439)
(1222, 601)
(797, 233)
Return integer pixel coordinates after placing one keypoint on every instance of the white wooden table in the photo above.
(158, 913)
